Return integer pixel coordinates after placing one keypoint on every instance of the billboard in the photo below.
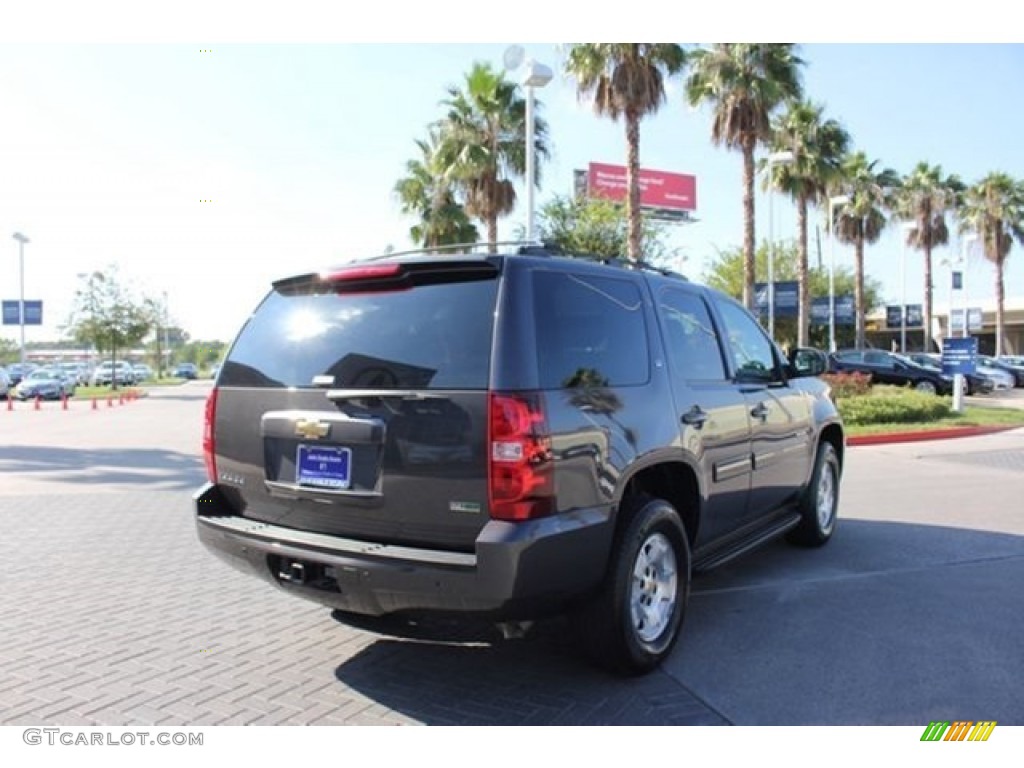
(820, 310)
(894, 316)
(673, 194)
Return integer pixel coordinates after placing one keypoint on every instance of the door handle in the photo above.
(695, 417)
(760, 411)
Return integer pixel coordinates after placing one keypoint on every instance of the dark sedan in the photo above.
(977, 383)
(887, 368)
(1017, 371)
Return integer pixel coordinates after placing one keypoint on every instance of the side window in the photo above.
(879, 359)
(690, 337)
(750, 348)
(590, 331)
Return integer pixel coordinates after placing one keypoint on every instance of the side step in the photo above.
(734, 549)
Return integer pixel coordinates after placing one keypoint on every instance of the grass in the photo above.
(92, 393)
(972, 416)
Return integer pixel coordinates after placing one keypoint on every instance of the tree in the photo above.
(862, 219)
(726, 273)
(818, 148)
(105, 315)
(923, 198)
(626, 80)
(994, 209)
(9, 351)
(482, 144)
(744, 83)
(598, 227)
(426, 192)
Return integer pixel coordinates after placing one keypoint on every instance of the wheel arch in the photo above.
(676, 482)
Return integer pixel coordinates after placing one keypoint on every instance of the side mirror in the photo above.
(806, 361)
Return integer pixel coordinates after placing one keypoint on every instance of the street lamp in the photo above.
(907, 228)
(968, 239)
(833, 203)
(775, 158)
(536, 75)
(21, 297)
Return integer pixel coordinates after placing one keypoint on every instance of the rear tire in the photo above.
(927, 387)
(631, 625)
(820, 502)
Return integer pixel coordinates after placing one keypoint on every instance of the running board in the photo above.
(734, 549)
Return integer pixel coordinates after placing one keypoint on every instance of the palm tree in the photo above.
(862, 219)
(626, 80)
(994, 209)
(818, 148)
(426, 193)
(923, 198)
(744, 83)
(483, 143)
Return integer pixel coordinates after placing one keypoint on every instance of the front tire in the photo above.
(926, 386)
(820, 502)
(631, 625)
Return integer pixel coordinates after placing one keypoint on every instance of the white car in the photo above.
(142, 372)
(104, 375)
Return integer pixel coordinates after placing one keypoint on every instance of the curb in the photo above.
(928, 434)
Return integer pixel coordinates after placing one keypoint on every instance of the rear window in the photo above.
(435, 336)
(590, 331)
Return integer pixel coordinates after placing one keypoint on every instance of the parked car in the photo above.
(186, 371)
(45, 383)
(79, 372)
(106, 373)
(17, 371)
(508, 436)
(978, 383)
(142, 372)
(5, 383)
(889, 368)
(1001, 363)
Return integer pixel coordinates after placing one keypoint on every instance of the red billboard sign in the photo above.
(658, 189)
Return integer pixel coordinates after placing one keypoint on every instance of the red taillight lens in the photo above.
(520, 467)
(366, 272)
(209, 420)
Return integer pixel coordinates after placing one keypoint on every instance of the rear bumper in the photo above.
(518, 570)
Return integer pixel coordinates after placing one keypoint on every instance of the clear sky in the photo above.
(108, 154)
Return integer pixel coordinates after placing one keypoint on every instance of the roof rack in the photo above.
(456, 247)
(550, 249)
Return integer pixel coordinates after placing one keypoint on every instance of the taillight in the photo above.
(521, 479)
(209, 420)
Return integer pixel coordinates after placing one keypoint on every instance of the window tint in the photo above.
(749, 345)
(590, 331)
(690, 337)
(434, 336)
(879, 359)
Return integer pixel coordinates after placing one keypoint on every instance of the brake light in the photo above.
(521, 481)
(209, 420)
(365, 272)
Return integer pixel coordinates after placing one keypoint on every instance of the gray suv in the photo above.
(511, 436)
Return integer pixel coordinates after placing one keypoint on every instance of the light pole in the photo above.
(907, 228)
(968, 239)
(775, 158)
(833, 203)
(21, 296)
(536, 75)
(165, 357)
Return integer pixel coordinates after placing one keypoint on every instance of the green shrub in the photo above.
(893, 405)
(845, 385)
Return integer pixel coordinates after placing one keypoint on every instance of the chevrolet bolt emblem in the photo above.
(312, 430)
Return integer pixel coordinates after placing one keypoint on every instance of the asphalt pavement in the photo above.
(114, 614)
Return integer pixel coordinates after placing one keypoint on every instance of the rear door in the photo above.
(714, 424)
(780, 414)
(356, 404)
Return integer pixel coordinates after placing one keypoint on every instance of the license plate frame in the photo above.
(323, 466)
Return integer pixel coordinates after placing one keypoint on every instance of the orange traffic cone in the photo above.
(38, 401)
(10, 402)
(64, 401)
(110, 401)
(94, 401)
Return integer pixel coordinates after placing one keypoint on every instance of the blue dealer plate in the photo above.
(323, 466)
